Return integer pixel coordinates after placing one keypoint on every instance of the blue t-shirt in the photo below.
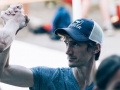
(55, 79)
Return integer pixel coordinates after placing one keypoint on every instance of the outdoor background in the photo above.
(41, 13)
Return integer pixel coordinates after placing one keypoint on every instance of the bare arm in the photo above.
(7, 35)
(12, 74)
(4, 56)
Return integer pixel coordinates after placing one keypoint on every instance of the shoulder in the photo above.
(43, 69)
(48, 74)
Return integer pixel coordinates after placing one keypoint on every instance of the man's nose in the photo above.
(69, 50)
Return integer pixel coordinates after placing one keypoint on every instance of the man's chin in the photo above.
(72, 66)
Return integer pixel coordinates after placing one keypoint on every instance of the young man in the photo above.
(83, 39)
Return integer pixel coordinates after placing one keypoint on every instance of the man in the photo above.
(83, 39)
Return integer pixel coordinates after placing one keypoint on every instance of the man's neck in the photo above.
(85, 74)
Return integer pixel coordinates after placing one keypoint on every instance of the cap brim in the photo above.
(76, 35)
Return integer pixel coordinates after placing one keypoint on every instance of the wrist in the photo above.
(11, 26)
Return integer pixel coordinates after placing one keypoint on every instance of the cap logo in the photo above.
(77, 24)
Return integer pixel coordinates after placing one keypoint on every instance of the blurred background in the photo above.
(42, 14)
(37, 42)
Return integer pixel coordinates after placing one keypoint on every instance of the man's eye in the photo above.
(75, 44)
(66, 43)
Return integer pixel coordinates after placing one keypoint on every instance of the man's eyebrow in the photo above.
(70, 41)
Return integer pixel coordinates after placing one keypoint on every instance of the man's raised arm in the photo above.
(12, 74)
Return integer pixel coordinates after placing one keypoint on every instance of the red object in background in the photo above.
(47, 27)
(68, 1)
(118, 11)
(117, 23)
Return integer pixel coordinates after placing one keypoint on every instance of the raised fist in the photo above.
(15, 14)
(14, 20)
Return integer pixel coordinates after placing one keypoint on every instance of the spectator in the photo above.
(108, 74)
(61, 19)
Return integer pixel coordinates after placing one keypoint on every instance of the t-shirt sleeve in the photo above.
(42, 77)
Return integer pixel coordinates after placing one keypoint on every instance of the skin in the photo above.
(80, 59)
(13, 74)
(76, 51)
(14, 19)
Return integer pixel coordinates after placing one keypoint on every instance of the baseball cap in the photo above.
(83, 30)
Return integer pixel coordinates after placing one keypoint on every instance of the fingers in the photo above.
(16, 7)
(11, 11)
(18, 12)
(19, 6)
(15, 13)
(4, 15)
(7, 14)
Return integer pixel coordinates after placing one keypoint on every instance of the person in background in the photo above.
(104, 8)
(61, 19)
(108, 74)
(83, 39)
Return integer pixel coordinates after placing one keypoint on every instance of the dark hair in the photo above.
(92, 44)
(106, 70)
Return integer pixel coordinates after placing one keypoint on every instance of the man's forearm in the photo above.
(4, 60)
(11, 26)
(9, 31)
(7, 35)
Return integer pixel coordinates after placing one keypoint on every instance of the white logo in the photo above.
(80, 22)
(76, 24)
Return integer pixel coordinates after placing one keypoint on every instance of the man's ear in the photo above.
(98, 48)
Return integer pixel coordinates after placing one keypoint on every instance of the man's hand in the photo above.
(14, 20)
(15, 14)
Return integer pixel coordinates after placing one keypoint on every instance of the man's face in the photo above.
(78, 52)
(114, 83)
